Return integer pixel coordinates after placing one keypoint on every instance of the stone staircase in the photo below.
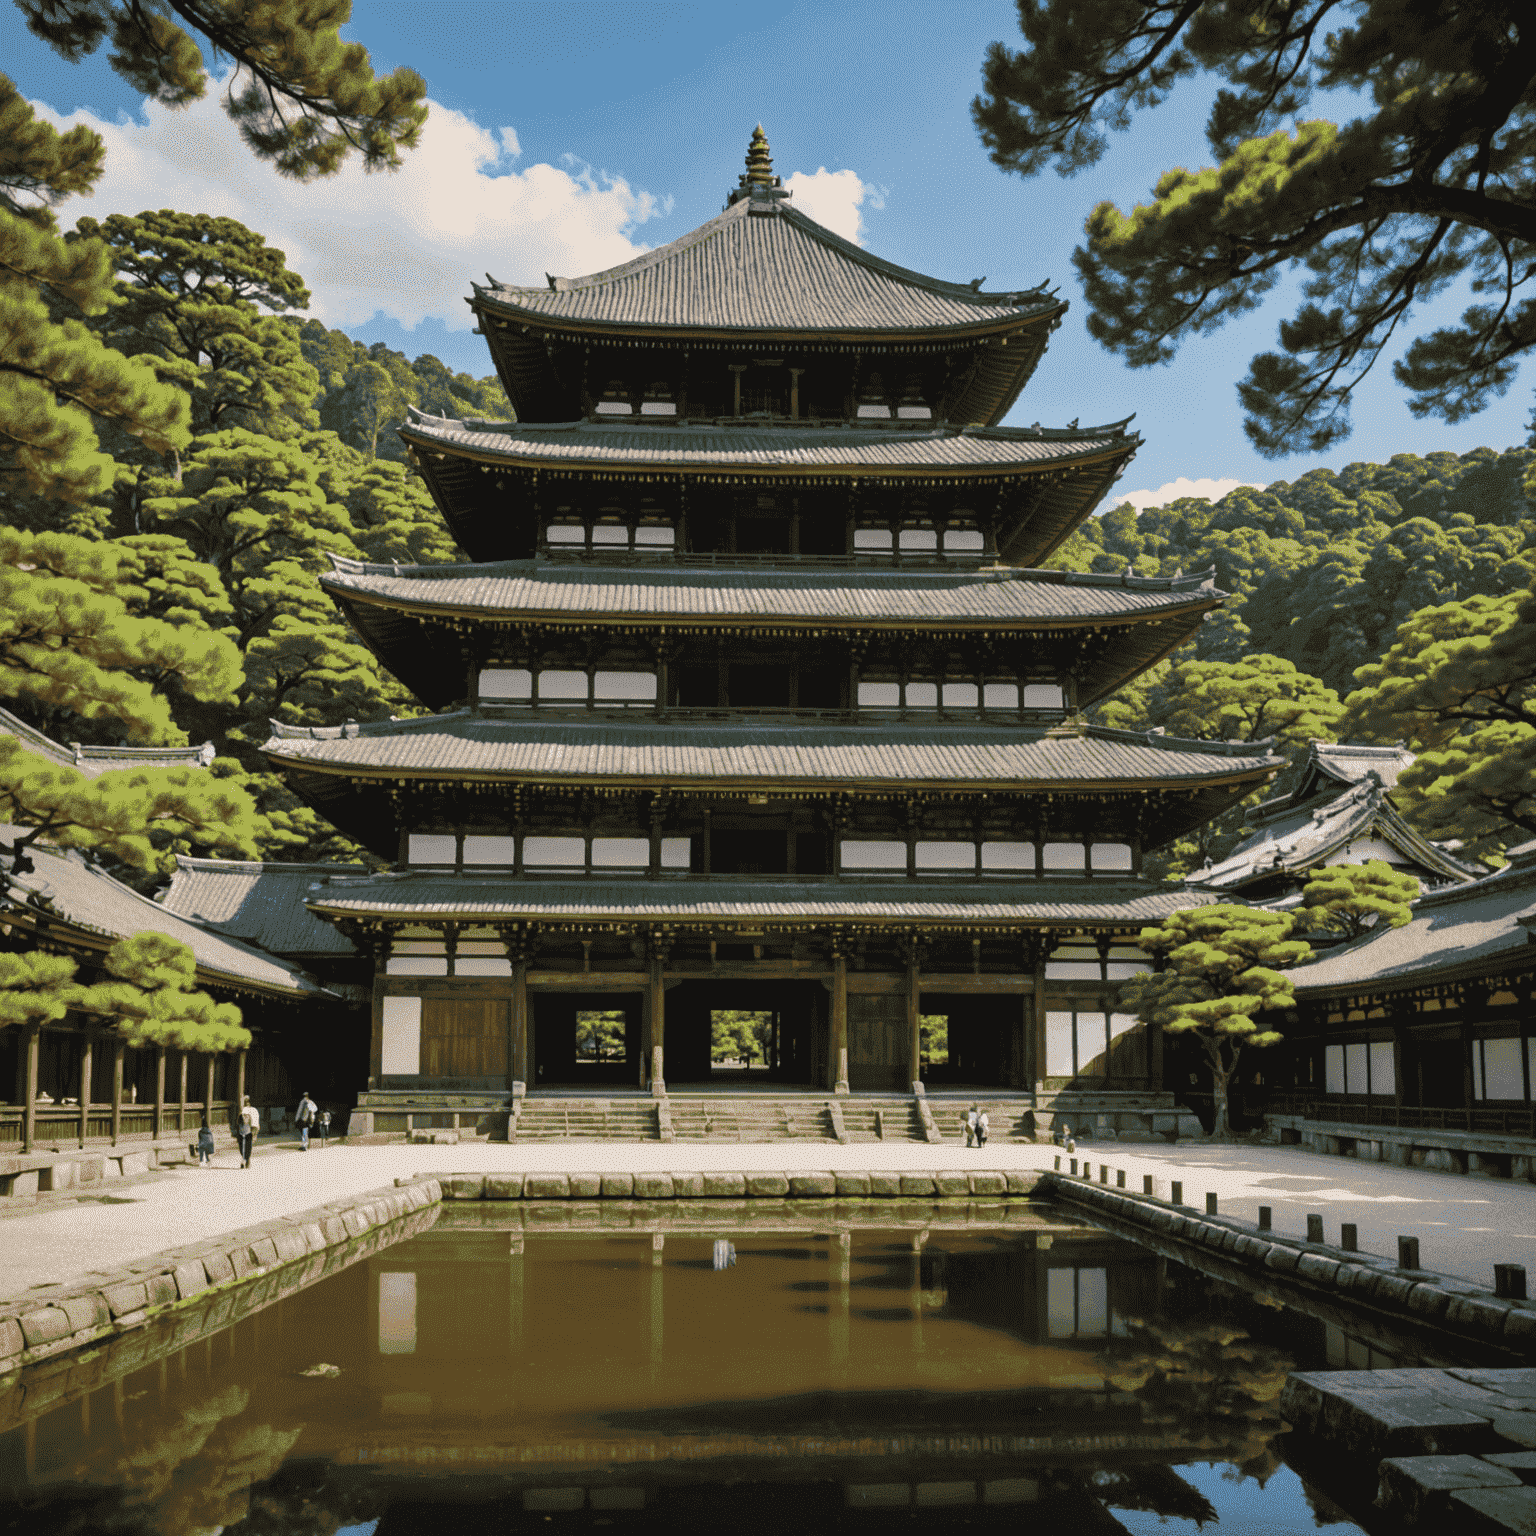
(882, 1120)
(586, 1120)
(716, 1118)
(1007, 1119)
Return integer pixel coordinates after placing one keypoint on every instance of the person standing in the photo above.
(205, 1144)
(249, 1125)
(983, 1125)
(304, 1117)
(970, 1126)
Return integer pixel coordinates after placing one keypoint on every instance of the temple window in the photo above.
(918, 539)
(945, 856)
(602, 689)
(912, 406)
(1366, 1067)
(658, 400)
(1496, 1069)
(868, 854)
(1006, 858)
(1077, 1304)
(1043, 696)
(480, 848)
(1075, 962)
(400, 1053)
(417, 957)
(610, 536)
(922, 695)
(871, 539)
(956, 694)
(1000, 696)
(554, 852)
(1064, 858)
(620, 852)
(963, 541)
(651, 538)
(872, 404)
(1091, 1043)
(615, 401)
(879, 695)
(960, 696)
(431, 848)
(1122, 961)
(1110, 857)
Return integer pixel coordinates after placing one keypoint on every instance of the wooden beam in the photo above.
(517, 1026)
(118, 1048)
(159, 1091)
(839, 1043)
(29, 1082)
(85, 1087)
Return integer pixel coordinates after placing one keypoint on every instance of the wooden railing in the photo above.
(1411, 1117)
(59, 1124)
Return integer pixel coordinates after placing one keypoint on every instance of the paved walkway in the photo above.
(1465, 1224)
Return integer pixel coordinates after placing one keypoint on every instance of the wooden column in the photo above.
(85, 1087)
(239, 1081)
(914, 1012)
(839, 1052)
(208, 1089)
(159, 1092)
(517, 1023)
(657, 998)
(181, 1110)
(29, 1087)
(118, 1047)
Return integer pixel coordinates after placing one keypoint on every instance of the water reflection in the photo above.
(840, 1374)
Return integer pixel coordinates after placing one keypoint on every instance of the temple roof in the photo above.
(832, 451)
(844, 597)
(1311, 833)
(1329, 764)
(1478, 929)
(261, 903)
(1081, 902)
(762, 266)
(65, 888)
(572, 747)
(96, 760)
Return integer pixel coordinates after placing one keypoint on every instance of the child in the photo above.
(205, 1146)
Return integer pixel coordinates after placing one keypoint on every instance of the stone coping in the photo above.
(722, 1185)
(1420, 1297)
(1406, 1135)
(50, 1321)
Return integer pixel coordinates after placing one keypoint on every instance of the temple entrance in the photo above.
(879, 1050)
(971, 1040)
(746, 1034)
(1435, 1072)
(586, 1039)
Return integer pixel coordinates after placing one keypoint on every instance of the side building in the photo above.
(757, 699)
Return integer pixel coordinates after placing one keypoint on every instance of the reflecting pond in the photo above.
(841, 1371)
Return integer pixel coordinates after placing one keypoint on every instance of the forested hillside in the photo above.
(1385, 602)
(191, 573)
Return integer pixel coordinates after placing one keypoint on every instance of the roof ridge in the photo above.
(260, 866)
(1156, 737)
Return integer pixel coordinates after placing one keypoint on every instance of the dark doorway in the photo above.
(758, 687)
(971, 1040)
(734, 852)
(747, 1033)
(762, 536)
(586, 1039)
(1436, 1072)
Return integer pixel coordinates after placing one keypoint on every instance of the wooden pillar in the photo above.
(657, 999)
(181, 1110)
(239, 1081)
(118, 1047)
(208, 1090)
(85, 1087)
(29, 1087)
(517, 1024)
(794, 393)
(914, 1013)
(839, 1041)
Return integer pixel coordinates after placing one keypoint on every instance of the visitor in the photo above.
(304, 1117)
(205, 1144)
(970, 1126)
(982, 1127)
(325, 1126)
(250, 1124)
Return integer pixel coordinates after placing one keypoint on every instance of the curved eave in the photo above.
(406, 636)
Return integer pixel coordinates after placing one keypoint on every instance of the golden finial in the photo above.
(759, 160)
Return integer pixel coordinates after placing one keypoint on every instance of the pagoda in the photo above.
(756, 697)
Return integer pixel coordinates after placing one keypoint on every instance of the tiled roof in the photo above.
(1310, 834)
(700, 899)
(469, 744)
(95, 760)
(65, 886)
(1467, 930)
(763, 266)
(827, 450)
(527, 588)
(262, 903)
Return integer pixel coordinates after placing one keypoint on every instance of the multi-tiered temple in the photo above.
(755, 697)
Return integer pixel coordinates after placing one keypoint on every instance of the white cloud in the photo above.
(834, 198)
(406, 244)
(1174, 490)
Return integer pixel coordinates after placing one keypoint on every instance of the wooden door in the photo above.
(878, 1047)
(464, 1037)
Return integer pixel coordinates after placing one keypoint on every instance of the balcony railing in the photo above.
(1408, 1117)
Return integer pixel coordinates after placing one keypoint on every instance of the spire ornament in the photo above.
(758, 180)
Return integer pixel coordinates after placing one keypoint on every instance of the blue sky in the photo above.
(567, 136)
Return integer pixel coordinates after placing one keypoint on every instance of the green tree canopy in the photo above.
(1352, 899)
(1221, 971)
(738, 1034)
(153, 1000)
(1459, 683)
(1430, 185)
(302, 98)
(56, 377)
(36, 988)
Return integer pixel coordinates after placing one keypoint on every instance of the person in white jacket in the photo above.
(249, 1125)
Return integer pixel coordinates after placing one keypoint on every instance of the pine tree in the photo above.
(152, 998)
(1352, 899)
